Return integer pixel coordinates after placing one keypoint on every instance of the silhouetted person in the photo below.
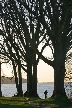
(45, 94)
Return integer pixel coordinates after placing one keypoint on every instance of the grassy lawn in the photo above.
(21, 102)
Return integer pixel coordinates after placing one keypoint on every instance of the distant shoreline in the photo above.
(10, 80)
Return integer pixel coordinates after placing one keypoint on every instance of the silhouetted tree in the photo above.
(18, 43)
(55, 27)
(55, 19)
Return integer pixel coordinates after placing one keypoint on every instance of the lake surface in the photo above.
(9, 90)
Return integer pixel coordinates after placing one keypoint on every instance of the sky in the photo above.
(45, 73)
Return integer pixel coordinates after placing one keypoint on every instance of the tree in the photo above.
(57, 24)
(7, 49)
(14, 33)
(55, 31)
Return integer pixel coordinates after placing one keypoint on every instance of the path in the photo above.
(42, 105)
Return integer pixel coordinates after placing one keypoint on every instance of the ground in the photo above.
(21, 102)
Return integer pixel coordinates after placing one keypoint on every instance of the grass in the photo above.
(21, 102)
(15, 102)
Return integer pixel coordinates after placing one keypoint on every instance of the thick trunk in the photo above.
(59, 71)
(34, 63)
(34, 82)
(59, 81)
(29, 78)
(20, 93)
(29, 74)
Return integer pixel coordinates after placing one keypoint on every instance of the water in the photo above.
(9, 90)
(45, 86)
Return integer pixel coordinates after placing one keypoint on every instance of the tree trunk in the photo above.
(59, 71)
(59, 80)
(20, 93)
(34, 82)
(29, 79)
(29, 74)
(16, 78)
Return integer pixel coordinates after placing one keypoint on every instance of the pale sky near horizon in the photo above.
(45, 72)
